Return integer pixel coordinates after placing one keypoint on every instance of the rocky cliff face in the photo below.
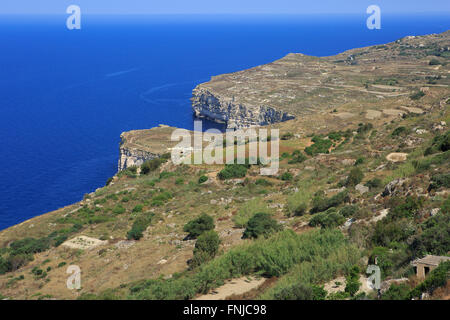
(133, 157)
(215, 107)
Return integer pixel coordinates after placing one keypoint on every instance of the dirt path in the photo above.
(233, 287)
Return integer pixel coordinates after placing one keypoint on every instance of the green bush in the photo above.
(139, 226)
(386, 232)
(434, 238)
(297, 157)
(206, 248)
(202, 179)
(179, 181)
(247, 210)
(320, 146)
(417, 95)
(118, 209)
(138, 208)
(374, 183)
(439, 180)
(261, 224)
(152, 165)
(328, 219)
(359, 161)
(263, 182)
(300, 209)
(434, 62)
(408, 207)
(355, 176)
(287, 176)
(400, 131)
(232, 171)
(301, 292)
(349, 211)
(199, 225)
(320, 203)
(397, 292)
(352, 281)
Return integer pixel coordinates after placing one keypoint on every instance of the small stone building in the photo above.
(425, 265)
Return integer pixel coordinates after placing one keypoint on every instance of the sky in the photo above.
(222, 6)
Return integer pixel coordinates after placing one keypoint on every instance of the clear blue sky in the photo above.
(221, 6)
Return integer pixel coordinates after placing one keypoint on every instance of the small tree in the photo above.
(206, 247)
(199, 225)
(353, 284)
(261, 224)
(355, 177)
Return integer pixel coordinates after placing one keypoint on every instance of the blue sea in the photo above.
(67, 95)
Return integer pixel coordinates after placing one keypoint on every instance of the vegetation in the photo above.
(232, 171)
(206, 248)
(139, 226)
(199, 225)
(261, 224)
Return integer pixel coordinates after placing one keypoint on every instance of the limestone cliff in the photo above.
(222, 109)
(133, 157)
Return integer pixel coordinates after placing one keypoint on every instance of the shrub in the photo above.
(374, 183)
(138, 208)
(199, 225)
(202, 179)
(440, 180)
(263, 182)
(434, 62)
(320, 146)
(300, 209)
(118, 209)
(301, 292)
(139, 226)
(353, 284)
(404, 207)
(355, 176)
(297, 157)
(328, 219)
(151, 165)
(206, 247)
(247, 210)
(261, 224)
(399, 131)
(434, 238)
(349, 211)
(232, 171)
(417, 95)
(397, 292)
(287, 136)
(287, 176)
(359, 161)
(179, 181)
(319, 203)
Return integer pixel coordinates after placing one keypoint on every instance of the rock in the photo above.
(125, 244)
(393, 186)
(162, 261)
(361, 188)
(396, 156)
(421, 131)
(218, 108)
(434, 211)
(348, 162)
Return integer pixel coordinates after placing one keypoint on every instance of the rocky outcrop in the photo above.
(133, 157)
(215, 107)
